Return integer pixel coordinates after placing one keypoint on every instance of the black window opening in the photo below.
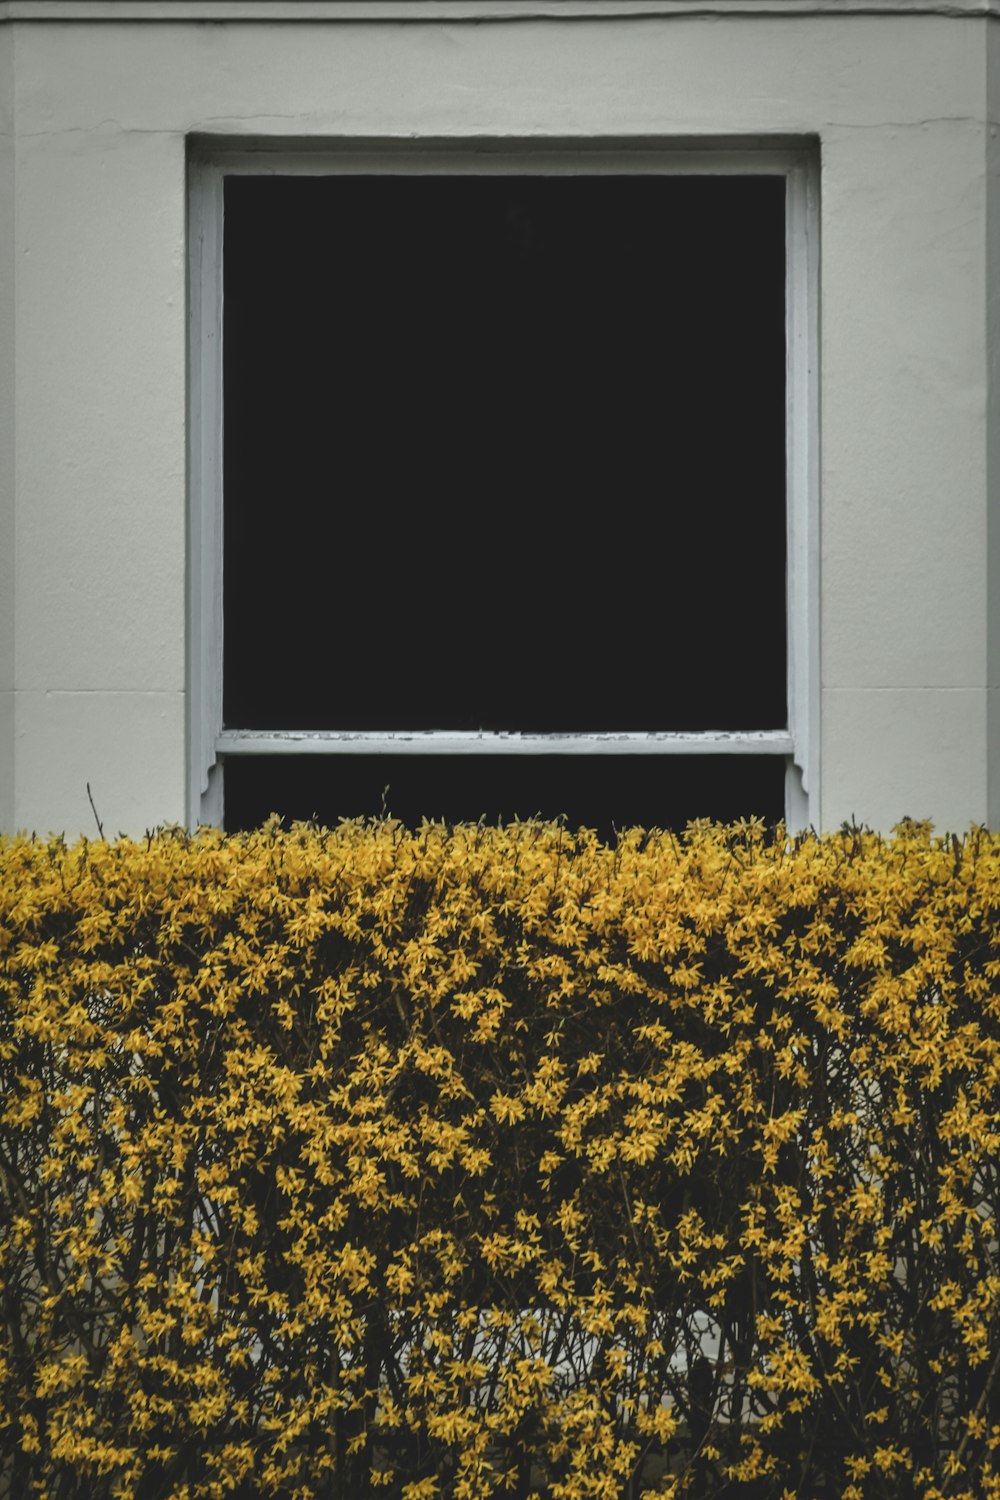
(505, 452)
(606, 792)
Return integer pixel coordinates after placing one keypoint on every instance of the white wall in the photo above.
(993, 420)
(7, 817)
(909, 628)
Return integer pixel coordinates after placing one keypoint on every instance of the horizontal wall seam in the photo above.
(397, 11)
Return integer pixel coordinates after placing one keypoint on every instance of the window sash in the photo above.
(472, 742)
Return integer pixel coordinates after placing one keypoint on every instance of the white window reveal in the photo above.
(502, 486)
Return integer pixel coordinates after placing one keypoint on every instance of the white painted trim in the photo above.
(440, 158)
(798, 743)
(204, 533)
(802, 466)
(473, 10)
(486, 742)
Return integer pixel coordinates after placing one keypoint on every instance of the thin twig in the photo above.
(100, 825)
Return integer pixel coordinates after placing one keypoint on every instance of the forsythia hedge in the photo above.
(499, 1162)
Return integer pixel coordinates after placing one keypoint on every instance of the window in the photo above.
(501, 486)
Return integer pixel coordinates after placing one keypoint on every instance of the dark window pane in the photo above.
(600, 791)
(504, 452)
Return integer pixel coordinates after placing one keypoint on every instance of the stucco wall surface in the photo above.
(6, 429)
(993, 416)
(101, 115)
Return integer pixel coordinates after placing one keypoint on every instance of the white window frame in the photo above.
(209, 743)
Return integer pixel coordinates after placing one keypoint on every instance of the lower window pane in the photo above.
(606, 792)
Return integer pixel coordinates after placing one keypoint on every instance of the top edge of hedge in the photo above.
(750, 833)
(375, 846)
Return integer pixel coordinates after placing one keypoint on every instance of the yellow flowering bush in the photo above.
(474, 1162)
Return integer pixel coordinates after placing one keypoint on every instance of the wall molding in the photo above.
(474, 10)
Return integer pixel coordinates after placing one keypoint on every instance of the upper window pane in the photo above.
(504, 452)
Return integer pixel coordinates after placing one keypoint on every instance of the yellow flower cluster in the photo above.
(498, 1162)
